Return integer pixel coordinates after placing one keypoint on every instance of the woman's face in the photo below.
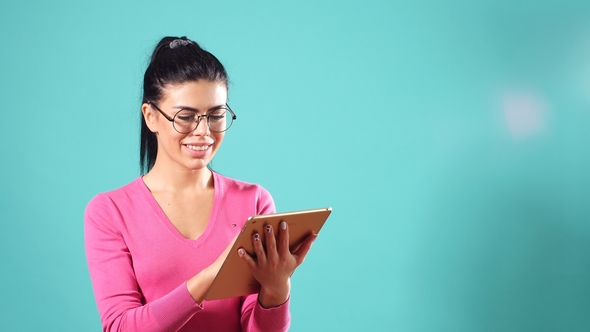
(196, 149)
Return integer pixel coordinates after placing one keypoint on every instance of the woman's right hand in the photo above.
(200, 283)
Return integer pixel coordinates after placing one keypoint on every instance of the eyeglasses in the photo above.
(187, 120)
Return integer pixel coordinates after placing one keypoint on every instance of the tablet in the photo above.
(234, 277)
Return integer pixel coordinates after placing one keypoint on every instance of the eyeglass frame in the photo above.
(233, 116)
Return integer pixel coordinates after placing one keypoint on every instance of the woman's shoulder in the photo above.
(234, 184)
(120, 196)
(245, 193)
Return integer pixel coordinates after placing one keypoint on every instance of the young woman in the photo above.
(155, 245)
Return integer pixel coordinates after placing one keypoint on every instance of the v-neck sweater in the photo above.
(139, 262)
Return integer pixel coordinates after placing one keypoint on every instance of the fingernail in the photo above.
(283, 225)
(256, 237)
(268, 228)
(241, 252)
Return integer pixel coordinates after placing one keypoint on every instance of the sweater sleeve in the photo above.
(117, 293)
(254, 316)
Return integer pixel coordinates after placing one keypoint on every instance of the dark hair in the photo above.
(174, 61)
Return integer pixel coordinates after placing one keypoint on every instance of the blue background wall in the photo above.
(451, 138)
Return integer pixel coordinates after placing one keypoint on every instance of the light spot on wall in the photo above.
(525, 114)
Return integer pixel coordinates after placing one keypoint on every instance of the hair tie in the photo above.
(179, 42)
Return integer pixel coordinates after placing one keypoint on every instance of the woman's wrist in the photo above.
(199, 285)
(274, 296)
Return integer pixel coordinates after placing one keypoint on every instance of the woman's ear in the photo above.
(149, 117)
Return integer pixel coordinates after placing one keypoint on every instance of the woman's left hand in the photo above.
(275, 263)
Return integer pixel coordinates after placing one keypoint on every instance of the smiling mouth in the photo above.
(198, 147)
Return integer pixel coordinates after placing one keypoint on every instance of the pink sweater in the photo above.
(139, 262)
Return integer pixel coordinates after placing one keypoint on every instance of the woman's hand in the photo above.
(198, 286)
(274, 263)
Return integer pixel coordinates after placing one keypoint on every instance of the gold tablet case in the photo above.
(234, 277)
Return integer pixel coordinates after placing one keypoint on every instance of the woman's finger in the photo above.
(258, 248)
(272, 256)
(283, 239)
(247, 258)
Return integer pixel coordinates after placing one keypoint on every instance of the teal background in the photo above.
(451, 139)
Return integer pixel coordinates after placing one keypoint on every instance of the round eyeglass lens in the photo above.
(219, 120)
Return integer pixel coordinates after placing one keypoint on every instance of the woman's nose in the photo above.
(202, 127)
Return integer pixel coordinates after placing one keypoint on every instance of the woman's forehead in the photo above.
(196, 94)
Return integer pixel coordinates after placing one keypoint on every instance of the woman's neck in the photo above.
(178, 180)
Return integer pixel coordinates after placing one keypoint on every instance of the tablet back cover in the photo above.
(234, 277)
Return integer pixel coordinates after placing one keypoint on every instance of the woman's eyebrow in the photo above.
(182, 107)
